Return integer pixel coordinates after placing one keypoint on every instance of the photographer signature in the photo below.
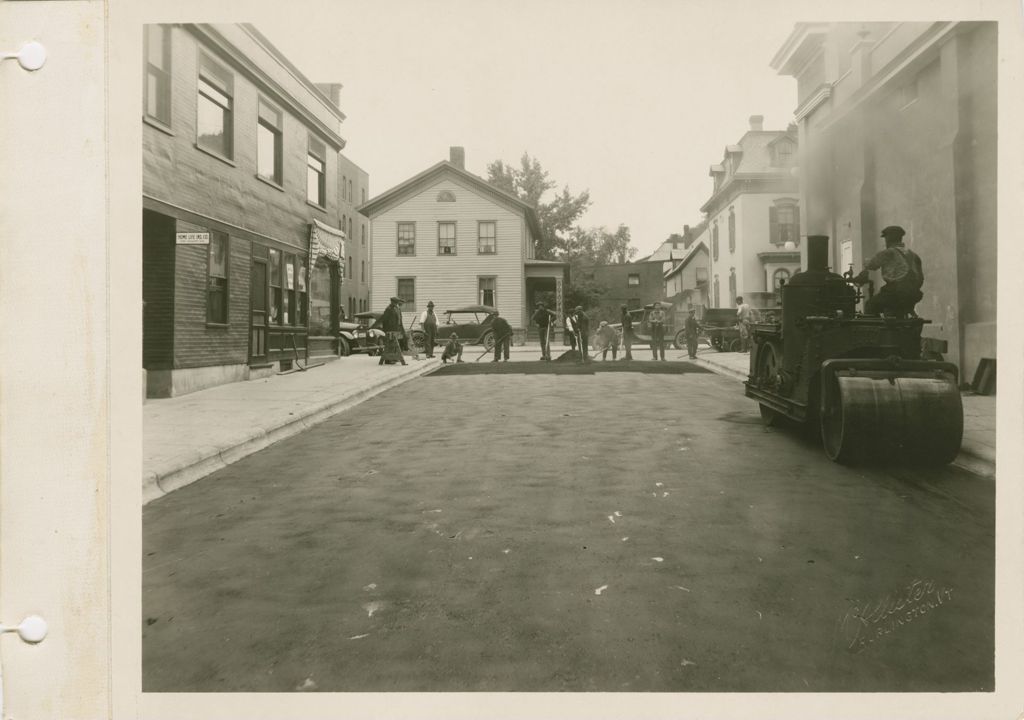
(866, 623)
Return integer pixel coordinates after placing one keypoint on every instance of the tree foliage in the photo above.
(561, 237)
(557, 215)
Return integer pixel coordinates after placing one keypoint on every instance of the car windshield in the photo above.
(462, 317)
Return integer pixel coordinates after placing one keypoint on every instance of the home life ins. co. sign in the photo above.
(192, 238)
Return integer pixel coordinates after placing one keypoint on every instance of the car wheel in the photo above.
(679, 341)
(344, 349)
(735, 345)
(488, 340)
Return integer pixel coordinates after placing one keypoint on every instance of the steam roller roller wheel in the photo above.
(913, 418)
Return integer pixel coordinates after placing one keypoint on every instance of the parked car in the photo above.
(361, 335)
(471, 323)
(642, 328)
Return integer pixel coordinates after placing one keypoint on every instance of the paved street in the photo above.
(607, 532)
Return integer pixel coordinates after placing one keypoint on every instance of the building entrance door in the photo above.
(258, 323)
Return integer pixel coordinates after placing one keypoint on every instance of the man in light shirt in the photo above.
(744, 315)
(657, 322)
(428, 321)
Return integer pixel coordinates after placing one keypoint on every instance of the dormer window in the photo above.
(446, 196)
(783, 153)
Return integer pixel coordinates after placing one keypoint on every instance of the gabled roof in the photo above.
(432, 174)
(690, 255)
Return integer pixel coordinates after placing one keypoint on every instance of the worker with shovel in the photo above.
(582, 325)
(542, 318)
(502, 336)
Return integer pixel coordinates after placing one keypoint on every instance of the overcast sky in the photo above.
(632, 101)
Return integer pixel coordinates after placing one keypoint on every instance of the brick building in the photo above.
(897, 125)
(633, 284)
(354, 188)
(240, 198)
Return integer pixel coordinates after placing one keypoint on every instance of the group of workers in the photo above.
(901, 269)
(577, 328)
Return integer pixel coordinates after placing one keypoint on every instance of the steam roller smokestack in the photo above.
(817, 253)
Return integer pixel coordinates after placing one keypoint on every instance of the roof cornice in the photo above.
(262, 40)
(799, 47)
(227, 51)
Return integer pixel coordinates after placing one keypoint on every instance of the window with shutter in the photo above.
(732, 230)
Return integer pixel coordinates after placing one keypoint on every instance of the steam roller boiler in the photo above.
(860, 378)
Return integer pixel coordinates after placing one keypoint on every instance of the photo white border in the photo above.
(124, 136)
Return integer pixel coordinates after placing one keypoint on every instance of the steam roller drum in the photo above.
(872, 416)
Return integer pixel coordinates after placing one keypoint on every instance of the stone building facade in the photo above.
(897, 126)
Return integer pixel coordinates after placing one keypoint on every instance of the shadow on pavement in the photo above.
(536, 367)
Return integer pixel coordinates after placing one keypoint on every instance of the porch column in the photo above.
(558, 299)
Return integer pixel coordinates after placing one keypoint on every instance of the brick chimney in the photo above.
(331, 90)
(757, 123)
(457, 157)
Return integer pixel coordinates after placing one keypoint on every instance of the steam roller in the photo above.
(860, 379)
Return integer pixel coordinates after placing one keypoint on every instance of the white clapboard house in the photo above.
(449, 236)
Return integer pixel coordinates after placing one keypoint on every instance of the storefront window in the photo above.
(300, 296)
(320, 283)
(289, 288)
(275, 287)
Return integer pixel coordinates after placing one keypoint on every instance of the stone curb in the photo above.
(156, 485)
(968, 459)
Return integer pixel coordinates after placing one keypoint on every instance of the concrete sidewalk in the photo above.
(188, 437)
(977, 450)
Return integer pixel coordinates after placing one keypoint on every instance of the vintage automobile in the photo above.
(361, 336)
(642, 329)
(471, 323)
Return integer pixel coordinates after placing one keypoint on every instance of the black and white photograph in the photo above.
(533, 359)
(717, 416)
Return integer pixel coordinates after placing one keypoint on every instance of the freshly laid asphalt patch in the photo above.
(537, 367)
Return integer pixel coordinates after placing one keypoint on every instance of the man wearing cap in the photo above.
(453, 349)
(627, 334)
(502, 336)
(542, 318)
(608, 340)
(391, 324)
(902, 272)
(691, 329)
(657, 322)
(428, 321)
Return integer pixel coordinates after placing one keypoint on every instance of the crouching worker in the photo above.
(608, 339)
(453, 349)
(901, 270)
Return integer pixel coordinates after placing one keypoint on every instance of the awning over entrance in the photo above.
(326, 242)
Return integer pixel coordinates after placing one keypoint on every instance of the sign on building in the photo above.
(192, 238)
